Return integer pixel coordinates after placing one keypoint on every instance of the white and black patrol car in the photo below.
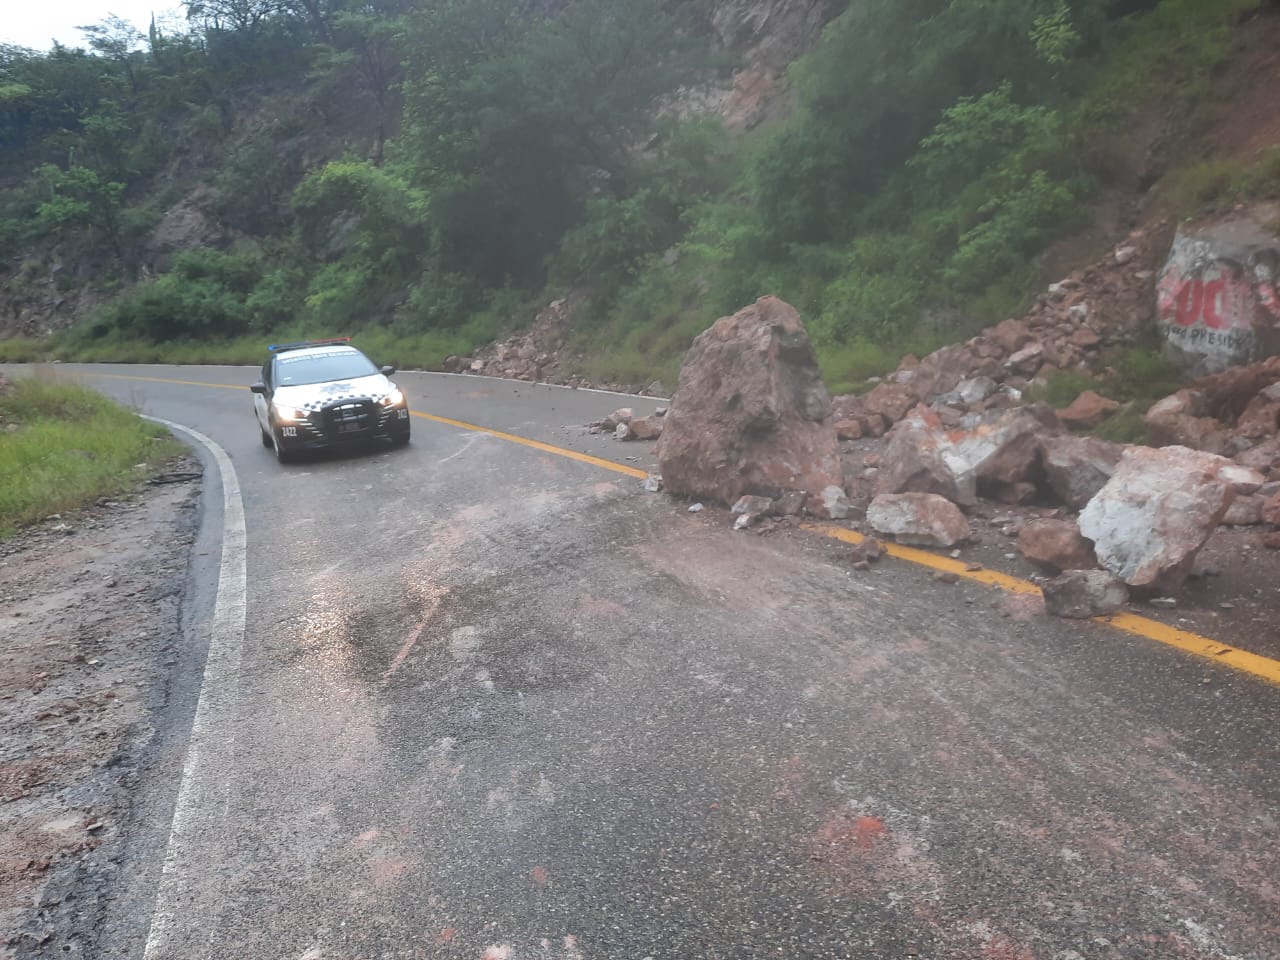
(326, 393)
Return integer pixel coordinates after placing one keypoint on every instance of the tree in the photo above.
(118, 40)
(878, 83)
(82, 206)
(248, 17)
(510, 122)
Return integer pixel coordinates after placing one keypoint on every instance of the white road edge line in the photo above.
(222, 665)
(538, 383)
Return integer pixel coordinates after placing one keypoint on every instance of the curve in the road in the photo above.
(1254, 664)
(226, 640)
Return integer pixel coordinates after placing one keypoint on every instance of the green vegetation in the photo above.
(63, 446)
(425, 175)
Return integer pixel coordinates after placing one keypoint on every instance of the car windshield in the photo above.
(323, 368)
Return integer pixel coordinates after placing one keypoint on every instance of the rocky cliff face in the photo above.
(765, 36)
(772, 33)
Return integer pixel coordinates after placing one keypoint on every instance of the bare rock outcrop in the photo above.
(750, 414)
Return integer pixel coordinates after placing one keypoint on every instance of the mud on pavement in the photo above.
(90, 611)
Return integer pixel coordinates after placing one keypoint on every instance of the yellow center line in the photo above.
(1131, 623)
(538, 445)
(185, 383)
(1251, 663)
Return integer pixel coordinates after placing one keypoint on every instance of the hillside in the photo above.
(430, 176)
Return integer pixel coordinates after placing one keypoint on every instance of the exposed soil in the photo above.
(89, 613)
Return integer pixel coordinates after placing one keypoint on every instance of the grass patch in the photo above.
(1144, 375)
(1124, 426)
(64, 446)
(1063, 387)
(1216, 184)
(23, 350)
(1172, 49)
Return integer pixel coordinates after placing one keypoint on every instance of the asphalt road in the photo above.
(492, 702)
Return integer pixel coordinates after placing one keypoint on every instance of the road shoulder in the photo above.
(91, 606)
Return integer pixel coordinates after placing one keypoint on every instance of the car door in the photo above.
(262, 401)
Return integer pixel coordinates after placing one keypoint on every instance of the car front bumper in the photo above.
(344, 422)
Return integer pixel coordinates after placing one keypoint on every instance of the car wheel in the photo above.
(266, 437)
(282, 455)
(400, 439)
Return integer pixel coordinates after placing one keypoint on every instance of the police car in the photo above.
(326, 393)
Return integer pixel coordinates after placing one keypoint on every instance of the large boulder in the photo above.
(1216, 301)
(1076, 468)
(750, 414)
(1156, 512)
(914, 460)
(998, 455)
(923, 519)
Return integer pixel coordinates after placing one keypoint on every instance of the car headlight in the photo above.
(393, 399)
(290, 414)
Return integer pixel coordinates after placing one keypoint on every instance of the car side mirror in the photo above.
(259, 387)
(388, 371)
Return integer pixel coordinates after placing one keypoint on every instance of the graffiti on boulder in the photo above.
(1217, 304)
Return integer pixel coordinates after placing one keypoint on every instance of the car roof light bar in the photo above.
(279, 347)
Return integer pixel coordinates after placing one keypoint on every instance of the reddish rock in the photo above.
(1056, 545)
(1270, 511)
(1003, 450)
(830, 504)
(1084, 338)
(874, 425)
(1010, 335)
(1263, 457)
(1261, 418)
(1028, 360)
(1158, 509)
(849, 429)
(913, 460)
(1244, 511)
(890, 400)
(1243, 480)
(1082, 594)
(750, 413)
(1271, 540)
(1087, 410)
(646, 428)
(1175, 421)
(1076, 468)
(923, 519)
(941, 371)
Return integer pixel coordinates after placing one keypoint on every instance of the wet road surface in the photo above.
(494, 703)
